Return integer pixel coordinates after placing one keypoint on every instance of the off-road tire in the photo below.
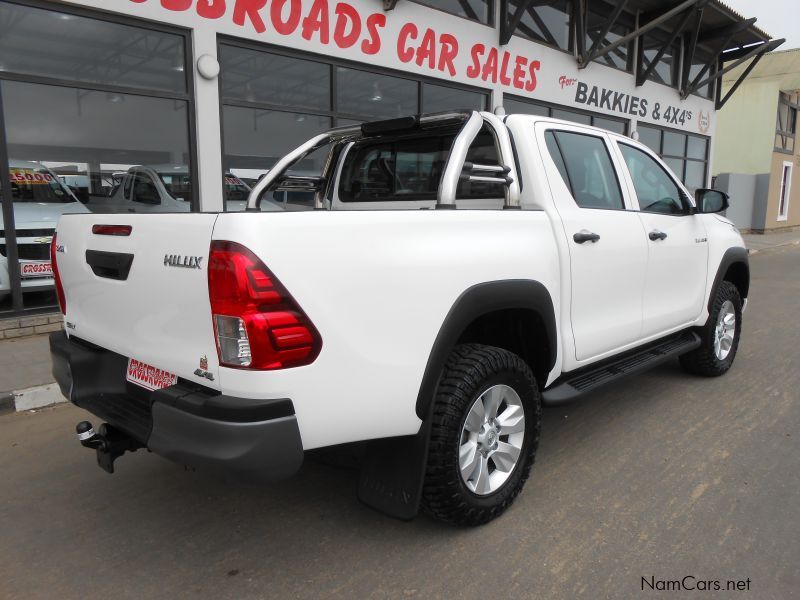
(470, 370)
(703, 360)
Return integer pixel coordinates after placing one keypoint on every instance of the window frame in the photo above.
(792, 108)
(784, 194)
(189, 96)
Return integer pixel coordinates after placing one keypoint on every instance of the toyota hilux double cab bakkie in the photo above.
(460, 271)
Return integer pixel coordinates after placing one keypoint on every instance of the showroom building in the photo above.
(163, 105)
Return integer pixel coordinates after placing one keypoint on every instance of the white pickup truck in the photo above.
(520, 262)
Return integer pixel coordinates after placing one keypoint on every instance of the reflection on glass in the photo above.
(375, 96)
(477, 10)
(46, 43)
(524, 108)
(595, 24)
(90, 140)
(674, 144)
(676, 166)
(695, 175)
(439, 97)
(256, 139)
(650, 137)
(568, 115)
(609, 124)
(550, 24)
(254, 76)
(697, 147)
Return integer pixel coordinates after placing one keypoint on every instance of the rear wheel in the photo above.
(484, 433)
(720, 335)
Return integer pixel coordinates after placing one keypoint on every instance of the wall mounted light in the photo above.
(208, 67)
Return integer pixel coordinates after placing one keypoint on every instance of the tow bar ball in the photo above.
(108, 442)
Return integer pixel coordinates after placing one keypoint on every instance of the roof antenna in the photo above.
(500, 111)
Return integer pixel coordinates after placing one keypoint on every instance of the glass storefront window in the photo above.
(97, 118)
(64, 46)
(686, 155)
(55, 125)
(514, 106)
(698, 63)
(373, 95)
(475, 10)
(256, 139)
(549, 23)
(595, 24)
(437, 98)
(666, 69)
(268, 78)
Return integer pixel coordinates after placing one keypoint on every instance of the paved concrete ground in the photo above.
(24, 363)
(763, 241)
(664, 475)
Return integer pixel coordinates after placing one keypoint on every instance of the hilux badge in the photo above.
(186, 262)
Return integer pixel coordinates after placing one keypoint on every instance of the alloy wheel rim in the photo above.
(491, 439)
(725, 331)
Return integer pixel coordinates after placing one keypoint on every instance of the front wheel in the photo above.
(484, 433)
(720, 335)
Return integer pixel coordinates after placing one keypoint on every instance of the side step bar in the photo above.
(583, 381)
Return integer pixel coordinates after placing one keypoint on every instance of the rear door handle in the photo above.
(657, 235)
(585, 236)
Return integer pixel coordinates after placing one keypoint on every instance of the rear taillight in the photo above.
(257, 322)
(62, 302)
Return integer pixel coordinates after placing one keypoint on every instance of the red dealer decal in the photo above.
(345, 26)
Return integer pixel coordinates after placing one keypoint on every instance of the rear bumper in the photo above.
(254, 440)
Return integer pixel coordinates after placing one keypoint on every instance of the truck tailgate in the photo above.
(157, 312)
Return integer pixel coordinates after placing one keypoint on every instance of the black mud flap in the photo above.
(394, 472)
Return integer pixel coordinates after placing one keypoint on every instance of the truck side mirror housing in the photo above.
(711, 201)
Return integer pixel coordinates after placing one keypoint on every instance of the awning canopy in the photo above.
(708, 30)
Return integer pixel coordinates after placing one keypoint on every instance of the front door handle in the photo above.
(657, 235)
(585, 236)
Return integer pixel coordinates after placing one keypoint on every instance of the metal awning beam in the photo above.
(593, 53)
(727, 30)
(691, 46)
(768, 47)
(507, 28)
(642, 76)
(759, 50)
(654, 22)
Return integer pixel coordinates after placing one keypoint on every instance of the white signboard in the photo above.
(426, 41)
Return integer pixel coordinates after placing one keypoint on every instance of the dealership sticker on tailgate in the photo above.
(149, 377)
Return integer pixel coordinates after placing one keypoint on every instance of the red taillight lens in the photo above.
(62, 302)
(257, 322)
(123, 230)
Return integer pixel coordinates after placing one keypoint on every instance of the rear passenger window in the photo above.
(586, 167)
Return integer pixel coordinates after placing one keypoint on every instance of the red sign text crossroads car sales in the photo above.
(345, 27)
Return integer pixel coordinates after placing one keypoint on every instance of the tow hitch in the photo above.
(110, 443)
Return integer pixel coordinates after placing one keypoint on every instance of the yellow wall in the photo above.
(745, 133)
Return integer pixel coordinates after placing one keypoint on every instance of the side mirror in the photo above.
(711, 201)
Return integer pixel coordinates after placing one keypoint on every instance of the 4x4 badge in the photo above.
(203, 370)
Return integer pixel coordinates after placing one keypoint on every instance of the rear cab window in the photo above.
(410, 167)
